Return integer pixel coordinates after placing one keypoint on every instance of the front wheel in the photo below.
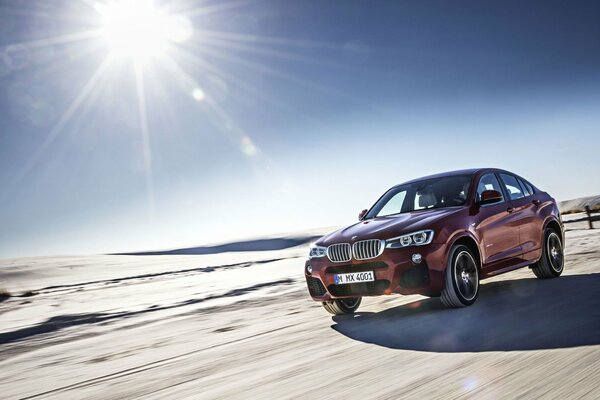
(342, 306)
(552, 261)
(462, 278)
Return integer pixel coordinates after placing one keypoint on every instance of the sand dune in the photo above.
(241, 325)
(578, 205)
(265, 244)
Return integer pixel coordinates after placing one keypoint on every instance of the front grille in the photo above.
(343, 269)
(366, 249)
(315, 286)
(360, 289)
(339, 252)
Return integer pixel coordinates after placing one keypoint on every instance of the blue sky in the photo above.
(308, 111)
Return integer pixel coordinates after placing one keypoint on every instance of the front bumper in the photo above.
(394, 270)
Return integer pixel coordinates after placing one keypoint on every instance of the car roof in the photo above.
(469, 171)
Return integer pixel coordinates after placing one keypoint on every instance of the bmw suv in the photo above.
(438, 236)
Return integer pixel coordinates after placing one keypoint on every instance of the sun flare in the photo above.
(146, 51)
(138, 30)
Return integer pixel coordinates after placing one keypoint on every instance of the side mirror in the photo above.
(489, 197)
(362, 214)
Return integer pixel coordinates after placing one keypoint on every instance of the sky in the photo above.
(148, 125)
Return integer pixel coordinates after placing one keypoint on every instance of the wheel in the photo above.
(462, 278)
(552, 261)
(342, 306)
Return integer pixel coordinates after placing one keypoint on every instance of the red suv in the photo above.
(438, 236)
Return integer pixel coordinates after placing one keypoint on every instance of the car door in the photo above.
(526, 207)
(515, 193)
(496, 227)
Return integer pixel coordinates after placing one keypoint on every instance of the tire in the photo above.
(552, 261)
(462, 278)
(342, 306)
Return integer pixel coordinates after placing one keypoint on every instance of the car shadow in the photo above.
(522, 314)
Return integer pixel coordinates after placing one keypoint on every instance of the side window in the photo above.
(512, 186)
(527, 187)
(488, 182)
(394, 206)
(526, 191)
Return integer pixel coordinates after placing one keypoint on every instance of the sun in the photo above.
(159, 41)
(140, 31)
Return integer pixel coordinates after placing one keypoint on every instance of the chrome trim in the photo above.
(368, 249)
(387, 244)
(339, 252)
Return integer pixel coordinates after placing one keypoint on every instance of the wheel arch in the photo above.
(466, 239)
(553, 224)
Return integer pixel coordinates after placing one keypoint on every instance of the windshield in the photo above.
(441, 192)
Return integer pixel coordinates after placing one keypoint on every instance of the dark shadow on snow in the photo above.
(161, 274)
(60, 322)
(523, 314)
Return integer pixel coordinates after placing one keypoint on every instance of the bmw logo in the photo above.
(354, 237)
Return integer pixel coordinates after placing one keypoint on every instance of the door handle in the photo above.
(535, 201)
(510, 209)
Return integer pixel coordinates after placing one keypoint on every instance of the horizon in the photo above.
(261, 117)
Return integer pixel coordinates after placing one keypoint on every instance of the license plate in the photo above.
(355, 277)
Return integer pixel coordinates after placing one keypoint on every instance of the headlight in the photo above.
(419, 238)
(317, 251)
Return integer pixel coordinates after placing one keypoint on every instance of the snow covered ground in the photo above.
(241, 325)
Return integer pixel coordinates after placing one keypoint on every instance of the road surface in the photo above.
(241, 325)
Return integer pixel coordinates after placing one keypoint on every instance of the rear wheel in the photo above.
(552, 261)
(462, 278)
(342, 306)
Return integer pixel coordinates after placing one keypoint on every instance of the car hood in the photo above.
(389, 226)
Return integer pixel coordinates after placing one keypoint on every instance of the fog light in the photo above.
(309, 270)
(416, 258)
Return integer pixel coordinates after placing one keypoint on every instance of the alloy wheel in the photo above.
(555, 252)
(466, 275)
(350, 303)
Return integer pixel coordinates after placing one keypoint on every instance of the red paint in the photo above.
(507, 235)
